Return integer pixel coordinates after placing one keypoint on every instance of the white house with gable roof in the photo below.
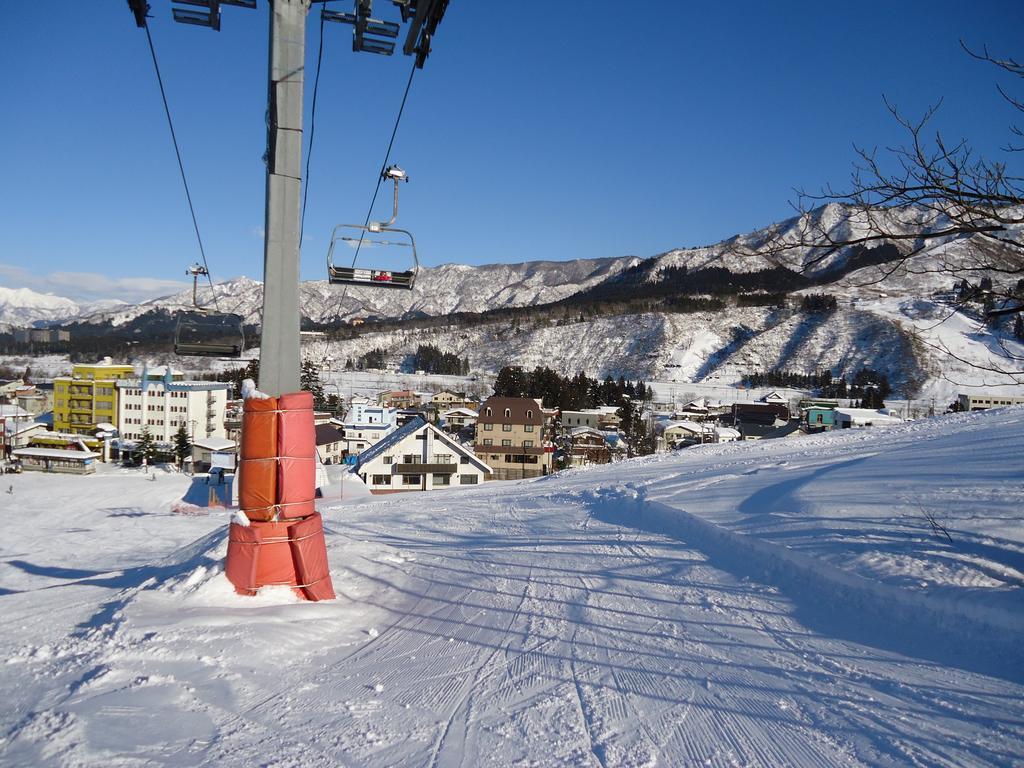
(419, 457)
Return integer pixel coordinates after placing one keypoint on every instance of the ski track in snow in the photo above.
(587, 619)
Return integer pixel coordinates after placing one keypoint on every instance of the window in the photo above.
(440, 479)
(388, 459)
(464, 460)
(412, 479)
(442, 458)
(506, 442)
(468, 479)
(410, 458)
(488, 411)
(528, 427)
(529, 414)
(508, 413)
(382, 480)
(488, 427)
(506, 427)
(527, 443)
(488, 441)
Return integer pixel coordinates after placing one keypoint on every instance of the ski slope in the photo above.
(767, 604)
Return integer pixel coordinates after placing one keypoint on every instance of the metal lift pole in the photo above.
(279, 339)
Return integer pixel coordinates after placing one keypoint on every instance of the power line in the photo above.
(181, 166)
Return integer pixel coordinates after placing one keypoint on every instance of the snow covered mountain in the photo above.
(895, 326)
(23, 306)
(439, 291)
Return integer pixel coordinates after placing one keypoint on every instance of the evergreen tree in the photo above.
(1018, 327)
(182, 445)
(238, 375)
(146, 447)
(309, 381)
(634, 430)
(510, 382)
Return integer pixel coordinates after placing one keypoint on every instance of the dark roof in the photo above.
(326, 433)
(522, 410)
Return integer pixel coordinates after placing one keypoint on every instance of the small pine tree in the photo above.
(309, 381)
(147, 446)
(182, 445)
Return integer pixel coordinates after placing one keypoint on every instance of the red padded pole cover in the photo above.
(309, 551)
(296, 437)
(243, 552)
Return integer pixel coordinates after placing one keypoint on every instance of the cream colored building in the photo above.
(511, 437)
(165, 403)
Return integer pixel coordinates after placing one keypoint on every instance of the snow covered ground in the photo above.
(767, 604)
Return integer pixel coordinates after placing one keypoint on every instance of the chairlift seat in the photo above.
(209, 334)
(376, 278)
(373, 276)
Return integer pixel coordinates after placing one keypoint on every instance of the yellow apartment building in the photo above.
(88, 396)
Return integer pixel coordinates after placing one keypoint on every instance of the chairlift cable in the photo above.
(312, 128)
(380, 176)
(181, 166)
(387, 157)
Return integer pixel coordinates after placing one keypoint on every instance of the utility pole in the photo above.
(279, 335)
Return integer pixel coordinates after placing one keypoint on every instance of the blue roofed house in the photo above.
(419, 457)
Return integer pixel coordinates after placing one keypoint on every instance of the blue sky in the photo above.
(580, 131)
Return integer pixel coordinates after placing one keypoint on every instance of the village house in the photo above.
(679, 433)
(604, 417)
(366, 425)
(985, 400)
(847, 418)
(696, 410)
(511, 437)
(330, 444)
(725, 434)
(586, 446)
(458, 418)
(443, 401)
(403, 398)
(419, 457)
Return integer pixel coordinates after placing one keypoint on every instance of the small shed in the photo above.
(214, 452)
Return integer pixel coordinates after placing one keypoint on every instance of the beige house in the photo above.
(511, 437)
(690, 431)
(444, 401)
(403, 398)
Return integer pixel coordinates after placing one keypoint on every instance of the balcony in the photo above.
(80, 406)
(412, 468)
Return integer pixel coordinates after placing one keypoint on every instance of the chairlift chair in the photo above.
(200, 332)
(374, 235)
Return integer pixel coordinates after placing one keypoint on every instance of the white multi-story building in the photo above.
(366, 425)
(163, 401)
